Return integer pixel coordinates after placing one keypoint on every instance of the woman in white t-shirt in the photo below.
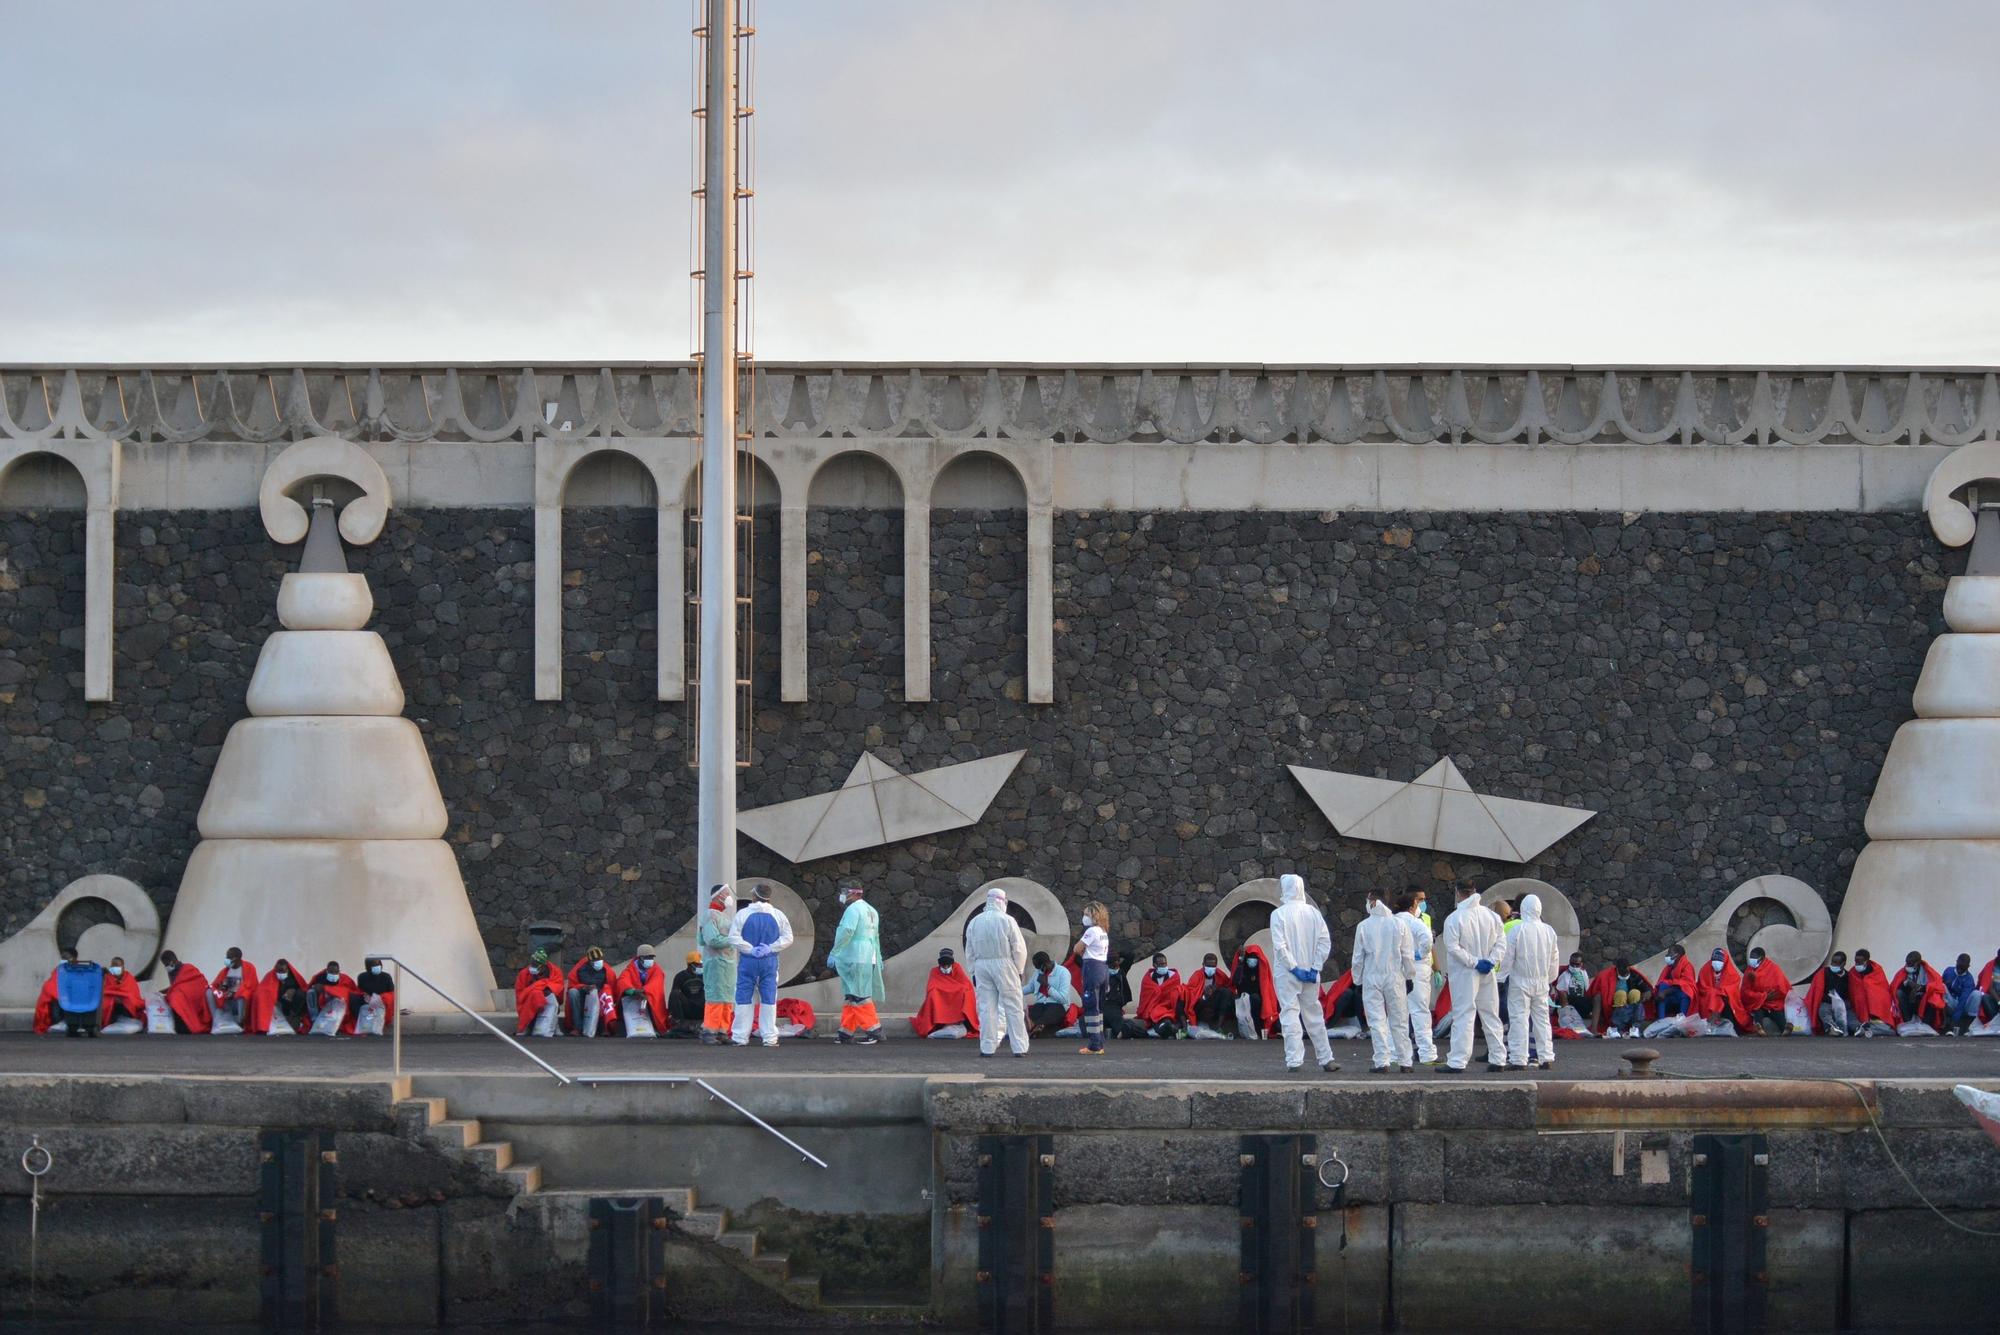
(1094, 953)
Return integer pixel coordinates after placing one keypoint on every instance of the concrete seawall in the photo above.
(1520, 1205)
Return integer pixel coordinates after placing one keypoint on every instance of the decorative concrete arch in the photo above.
(97, 462)
(1206, 938)
(27, 956)
(671, 461)
(916, 464)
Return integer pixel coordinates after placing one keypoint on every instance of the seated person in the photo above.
(373, 983)
(1208, 999)
(588, 982)
(1868, 991)
(233, 986)
(1160, 1000)
(643, 980)
(1919, 993)
(530, 971)
(951, 1007)
(1829, 1000)
(280, 999)
(687, 999)
(1717, 991)
(1961, 997)
(1250, 976)
(1053, 1004)
(1989, 988)
(121, 996)
(1118, 999)
(1674, 993)
(187, 995)
(73, 996)
(1618, 1000)
(328, 986)
(544, 982)
(1341, 1001)
(1762, 993)
(1572, 987)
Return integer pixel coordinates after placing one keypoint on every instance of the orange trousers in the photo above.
(855, 1019)
(717, 1016)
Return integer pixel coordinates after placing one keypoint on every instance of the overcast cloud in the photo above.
(1125, 180)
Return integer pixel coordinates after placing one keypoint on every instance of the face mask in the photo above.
(944, 968)
(645, 966)
(1419, 909)
(1836, 968)
(1208, 969)
(1757, 962)
(1715, 965)
(332, 975)
(1085, 920)
(116, 970)
(695, 969)
(1161, 974)
(1251, 961)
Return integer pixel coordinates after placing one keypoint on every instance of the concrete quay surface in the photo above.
(1056, 1059)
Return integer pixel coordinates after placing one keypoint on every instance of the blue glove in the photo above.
(1485, 966)
(760, 952)
(1306, 975)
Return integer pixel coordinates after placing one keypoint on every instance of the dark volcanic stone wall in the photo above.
(1721, 688)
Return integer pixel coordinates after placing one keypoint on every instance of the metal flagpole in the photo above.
(716, 814)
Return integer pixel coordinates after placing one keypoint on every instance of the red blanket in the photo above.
(122, 992)
(1716, 994)
(1160, 1001)
(1764, 987)
(654, 985)
(531, 996)
(1267, 991)
(1604, 987)
(187, 995)
(949, 998)
(1331, 994)
(46, 1010)
(263, 1008)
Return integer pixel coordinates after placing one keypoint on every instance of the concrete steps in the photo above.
(429, 1119)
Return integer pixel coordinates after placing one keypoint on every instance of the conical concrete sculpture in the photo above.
(321, 832)
(1929, 878)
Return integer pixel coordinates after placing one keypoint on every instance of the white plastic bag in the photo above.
(1246, 1017)
(1569, 1017)
(592, 1013)
(373, 1021)
(223, 1020)
(948, 1031)
(548, 1023)
(1203, 1031)
(1915, 1029)
(327, 1023)
(1878, 1029)
(1345, 1029)
(638, 1019)
(159, 1015)
(1677, 1026)
(1722, 1029)
(1986, 1028)
(793, 1029)
(124, 1024)
(1796, 1019)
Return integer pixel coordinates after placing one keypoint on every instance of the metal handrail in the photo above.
(396, 1033)
(396, 1029)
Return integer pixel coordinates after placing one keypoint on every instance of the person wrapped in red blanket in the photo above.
(121, 996)
(643, 975)
(1620, 1000)
(1207, 1000)
(951, 1008)
(535, 987)
(374, 987)
(1673, 993)
(1250, 977)
(1160, 996)
(233, 986)
(1763, 992)
(186, 989)
(332, 989)
(1338, 1001)
(1919, 993)
(280, 999)
(1717, 986)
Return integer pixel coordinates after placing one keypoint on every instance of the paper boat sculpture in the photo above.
(1437, 810)
(879, 805)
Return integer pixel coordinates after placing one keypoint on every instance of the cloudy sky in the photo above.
(1130, 180)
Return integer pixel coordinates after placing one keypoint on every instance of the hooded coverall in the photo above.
(718, 964)
(857, 957)
(1421, 942)
(760, 934)
(1301, 942)
(1533, 959)
(1382, 962)
(999, 954)
(1472, 933)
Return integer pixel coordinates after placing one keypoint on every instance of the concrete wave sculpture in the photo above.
(880, 805)
(27, 956)
(1437, 810)
(1929, 878)
(322, 829)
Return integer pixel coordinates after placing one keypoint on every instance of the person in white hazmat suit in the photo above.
(1410, 909)
(1472, 938)
(1383, 961)
(1301, 942)
(1533, 960)
(999, 956)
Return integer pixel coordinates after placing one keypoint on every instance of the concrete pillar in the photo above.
(673, 602)
(916, 595)
(1041, 603)
(97, 596)
(792, 599)
(548, 602)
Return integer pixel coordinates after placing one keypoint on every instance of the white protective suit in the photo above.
(1472, 933)
(758, 923)
(1533, 960)
(1300, 940)
(1420, 988)
(999, 955)
(1382, 963)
